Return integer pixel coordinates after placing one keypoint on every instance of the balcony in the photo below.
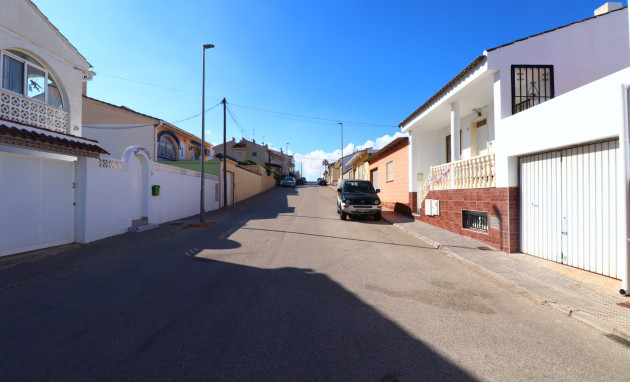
(29, 112)
(476, 172)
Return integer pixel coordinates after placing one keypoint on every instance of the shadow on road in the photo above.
(208, 321)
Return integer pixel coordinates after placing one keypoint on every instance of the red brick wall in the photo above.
(500, 203)
(397, 190)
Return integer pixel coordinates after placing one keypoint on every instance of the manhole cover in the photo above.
(485, 248)
(624, 305)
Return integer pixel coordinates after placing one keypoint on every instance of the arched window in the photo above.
(166, 149)
(24, 75)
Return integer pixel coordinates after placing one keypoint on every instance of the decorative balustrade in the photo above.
(23, 110)
(476, 172)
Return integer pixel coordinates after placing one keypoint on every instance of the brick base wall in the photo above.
(501, 204)
(413, 201)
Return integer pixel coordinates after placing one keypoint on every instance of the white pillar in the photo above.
(412, 165)
(455, 141)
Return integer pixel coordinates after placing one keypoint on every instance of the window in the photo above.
(475, 220)
(254, 154)
(239, 154)
(357, 186)
(196, 152)
(24, 75)
(360, 172)
(166, 148)
(12, 74)
(531, 85)
(389, 171)
(375, 178)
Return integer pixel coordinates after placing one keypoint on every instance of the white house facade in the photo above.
(41, 76)
(522, 149)
(55, 188)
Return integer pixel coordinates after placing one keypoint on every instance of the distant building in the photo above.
(261, 154)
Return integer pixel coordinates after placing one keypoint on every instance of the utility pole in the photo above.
(224, 159)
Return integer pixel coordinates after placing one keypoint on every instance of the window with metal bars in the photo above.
(475, 220)
(531, 85)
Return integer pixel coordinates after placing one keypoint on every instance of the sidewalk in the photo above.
(588, 297)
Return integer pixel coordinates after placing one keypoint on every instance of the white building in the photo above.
(54, 188)
(41, 76)
(521, 149)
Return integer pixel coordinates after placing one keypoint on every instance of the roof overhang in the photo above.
(388, 147)
(471, 89)
(357, 157)
(35, 138)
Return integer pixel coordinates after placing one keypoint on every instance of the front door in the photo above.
(482, 140)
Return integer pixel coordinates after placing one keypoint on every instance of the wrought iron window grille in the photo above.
(475, 220)
(531, 85)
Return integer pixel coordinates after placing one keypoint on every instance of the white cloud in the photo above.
(312, 162)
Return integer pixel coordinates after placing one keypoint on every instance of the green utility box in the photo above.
(155, 190)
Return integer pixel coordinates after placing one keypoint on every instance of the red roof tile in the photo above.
(442, 91)
(15, 136)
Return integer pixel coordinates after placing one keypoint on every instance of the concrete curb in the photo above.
(589, 319)
(622, 333)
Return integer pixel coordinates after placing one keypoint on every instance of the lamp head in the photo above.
(208, 46)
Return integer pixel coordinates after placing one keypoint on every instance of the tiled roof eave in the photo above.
(35, 140)
(470, 68)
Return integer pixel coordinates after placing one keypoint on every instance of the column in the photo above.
(455, 140)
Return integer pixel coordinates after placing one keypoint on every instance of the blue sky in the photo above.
(290, 70)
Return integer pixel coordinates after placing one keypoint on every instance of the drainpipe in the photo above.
(624, 177)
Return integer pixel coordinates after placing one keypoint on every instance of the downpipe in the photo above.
(624, 146)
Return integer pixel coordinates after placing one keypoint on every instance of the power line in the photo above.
(327, 120)
(196, 115)
(278, 114)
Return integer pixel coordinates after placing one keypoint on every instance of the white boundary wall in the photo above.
(111, 195)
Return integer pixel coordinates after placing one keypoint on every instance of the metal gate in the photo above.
(36, 203)
(569, 207)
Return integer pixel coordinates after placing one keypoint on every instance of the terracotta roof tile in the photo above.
(41, 141)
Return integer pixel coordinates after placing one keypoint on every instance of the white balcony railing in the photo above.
(23, 110)
(476, 172)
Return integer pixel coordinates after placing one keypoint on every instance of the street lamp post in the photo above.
(202, 209)
(341, 160)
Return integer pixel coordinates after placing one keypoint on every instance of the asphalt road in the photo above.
(280, 289)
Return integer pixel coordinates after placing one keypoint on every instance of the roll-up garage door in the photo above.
(569, 202)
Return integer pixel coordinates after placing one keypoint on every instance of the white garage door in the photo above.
(36, 203)
(569, 207)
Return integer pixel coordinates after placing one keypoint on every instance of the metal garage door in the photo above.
(36, 203)
(569, 207)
